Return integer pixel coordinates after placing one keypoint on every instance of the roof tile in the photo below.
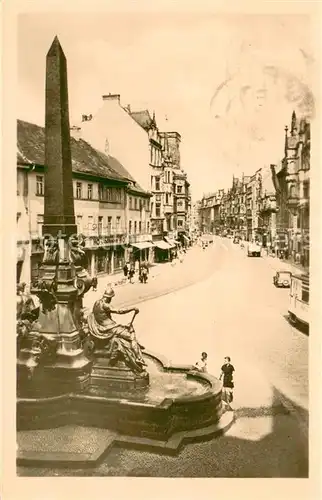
(85, 159)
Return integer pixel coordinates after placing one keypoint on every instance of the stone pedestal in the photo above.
(118, 378)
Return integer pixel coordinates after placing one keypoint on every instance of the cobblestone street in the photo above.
(269, 437)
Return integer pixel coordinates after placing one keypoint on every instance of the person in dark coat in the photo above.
(94, 283)
(131, 273)
(125, 269)
(144, 272)
(227, 371)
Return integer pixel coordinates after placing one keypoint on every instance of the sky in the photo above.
(228, 84)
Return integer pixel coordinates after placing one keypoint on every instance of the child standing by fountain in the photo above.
(201, 365)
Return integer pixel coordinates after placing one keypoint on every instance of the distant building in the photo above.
(112, 130)
(292, 187)
(156, 172)
(171, 198)
(152, 157)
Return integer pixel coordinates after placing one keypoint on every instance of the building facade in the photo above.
(152, 157)
(112, 130)
(170, 188)
(112, 212)
(292, 189)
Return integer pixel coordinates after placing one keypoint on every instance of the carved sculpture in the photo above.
(119, 341)
(76, 253)
(51, 254)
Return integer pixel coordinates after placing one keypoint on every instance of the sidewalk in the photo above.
(163, 279)
(278, 264)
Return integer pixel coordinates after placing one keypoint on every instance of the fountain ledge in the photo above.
(158, 427)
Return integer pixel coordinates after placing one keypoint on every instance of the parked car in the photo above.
(254, 250)
(282, 279)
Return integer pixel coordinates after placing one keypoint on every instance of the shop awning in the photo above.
(171, 242)
(142, 245)
(163, 245)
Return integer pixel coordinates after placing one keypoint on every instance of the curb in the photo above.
(172, 447)
(156, 295)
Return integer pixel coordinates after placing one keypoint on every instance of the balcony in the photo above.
(293, 202)
(103, 241)
(168, 209)
(139, 238)
(268, 205)
(293, 198)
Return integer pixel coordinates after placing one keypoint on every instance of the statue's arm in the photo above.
(121, 311)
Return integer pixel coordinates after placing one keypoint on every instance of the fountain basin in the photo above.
(178, 399)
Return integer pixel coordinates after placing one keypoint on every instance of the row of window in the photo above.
(139, 203)
(156, 207)
(135, 227)
(105, 193)
(156, 184)
(109, 227)
(157, 211)
(155, 156)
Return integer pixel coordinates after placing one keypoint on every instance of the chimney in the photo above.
(112, 97)
(76, 132)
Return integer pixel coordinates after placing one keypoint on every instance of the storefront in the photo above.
(119, 257)
(175, 245)
(141, 251)
(186, 240)
(102, 261)
(162, 251)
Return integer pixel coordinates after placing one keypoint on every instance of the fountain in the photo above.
(75, 368)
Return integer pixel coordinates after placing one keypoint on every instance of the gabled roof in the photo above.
(143, 118)
(85, 158)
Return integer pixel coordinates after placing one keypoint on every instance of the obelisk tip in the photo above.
(55, 47)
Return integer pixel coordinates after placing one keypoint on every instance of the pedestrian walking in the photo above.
(131, 273)
(144, 272)
(201, 365)
(227, 371)
(94, 283)
(125, 269)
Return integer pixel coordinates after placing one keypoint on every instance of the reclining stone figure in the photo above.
(118, 340)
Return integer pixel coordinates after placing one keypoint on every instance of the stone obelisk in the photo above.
(68, 368)
(59, 217)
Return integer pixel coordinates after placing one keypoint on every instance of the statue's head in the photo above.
(108, 294)
(21, 287)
